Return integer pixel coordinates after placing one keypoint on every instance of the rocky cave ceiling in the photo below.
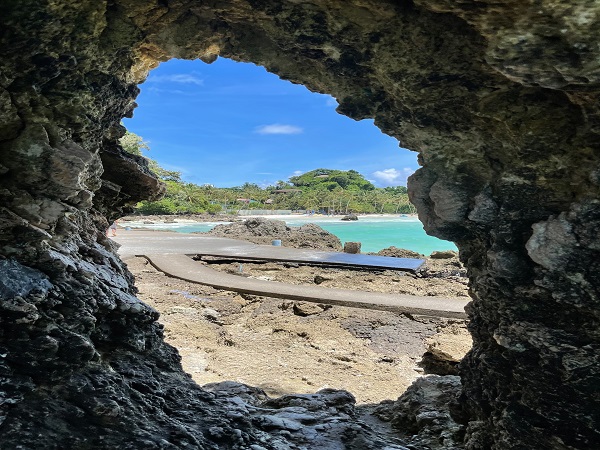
(499, 98)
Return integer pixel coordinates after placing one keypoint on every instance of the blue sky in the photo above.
(227, 123)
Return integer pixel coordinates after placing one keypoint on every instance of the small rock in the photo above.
(211, 315)
(352, 247)
(350, 217)
(446, 254)
(399, 253)
(304, 309)
(319, 279)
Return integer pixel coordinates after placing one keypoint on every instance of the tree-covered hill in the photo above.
(331, 179)
(328, 191)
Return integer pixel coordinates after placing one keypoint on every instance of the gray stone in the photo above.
(352, 247)
(423, 414)
(446, 254)
(18, 280)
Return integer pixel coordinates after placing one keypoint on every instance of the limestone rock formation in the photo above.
(264, 231)
(423, 414)
(499, 98)
(445, 350)
(399, 253)
(446, 254)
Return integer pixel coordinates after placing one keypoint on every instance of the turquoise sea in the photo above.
(374, 233)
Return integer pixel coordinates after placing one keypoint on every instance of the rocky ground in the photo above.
(284, 346)
(441, 278)
(271, 352)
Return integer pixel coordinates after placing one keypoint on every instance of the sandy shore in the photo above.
(231, 218)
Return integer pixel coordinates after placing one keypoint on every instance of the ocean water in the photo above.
(374, 233)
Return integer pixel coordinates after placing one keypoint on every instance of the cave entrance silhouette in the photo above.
(500, 102)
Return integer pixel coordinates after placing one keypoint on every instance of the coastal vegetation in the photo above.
(325, 191)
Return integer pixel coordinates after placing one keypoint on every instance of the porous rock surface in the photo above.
(499, 98)
(264, 231)
(423, 416)
(399, 253)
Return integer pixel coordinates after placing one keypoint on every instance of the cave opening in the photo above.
(235, 119)
(203, 119)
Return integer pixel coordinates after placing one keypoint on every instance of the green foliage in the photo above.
(331, 179)
(213, 208)
(340, 195)
(163, 174)
(134, 144)
(396, 189)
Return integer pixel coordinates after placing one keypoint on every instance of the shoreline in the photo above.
(376, 232)
(202, 218)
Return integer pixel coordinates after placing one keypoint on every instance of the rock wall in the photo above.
(499, 98)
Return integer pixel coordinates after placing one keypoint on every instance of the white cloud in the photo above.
(182, 78)
(296, 173)
(393, 177)
(277, 128)
(331, 101)
(166, 91)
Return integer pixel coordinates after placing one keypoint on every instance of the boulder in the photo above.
(264, 231)
(399, 253)
(352, 247)
(445, 350)
(350, 217)
(445, 254)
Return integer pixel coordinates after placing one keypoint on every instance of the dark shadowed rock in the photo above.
(423, 414)
(499, 98)
(349, 217)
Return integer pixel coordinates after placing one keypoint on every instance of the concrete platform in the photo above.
(167, 251)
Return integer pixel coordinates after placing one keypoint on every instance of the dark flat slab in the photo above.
(321, 258)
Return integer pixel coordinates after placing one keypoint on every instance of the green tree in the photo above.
(134, 144)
